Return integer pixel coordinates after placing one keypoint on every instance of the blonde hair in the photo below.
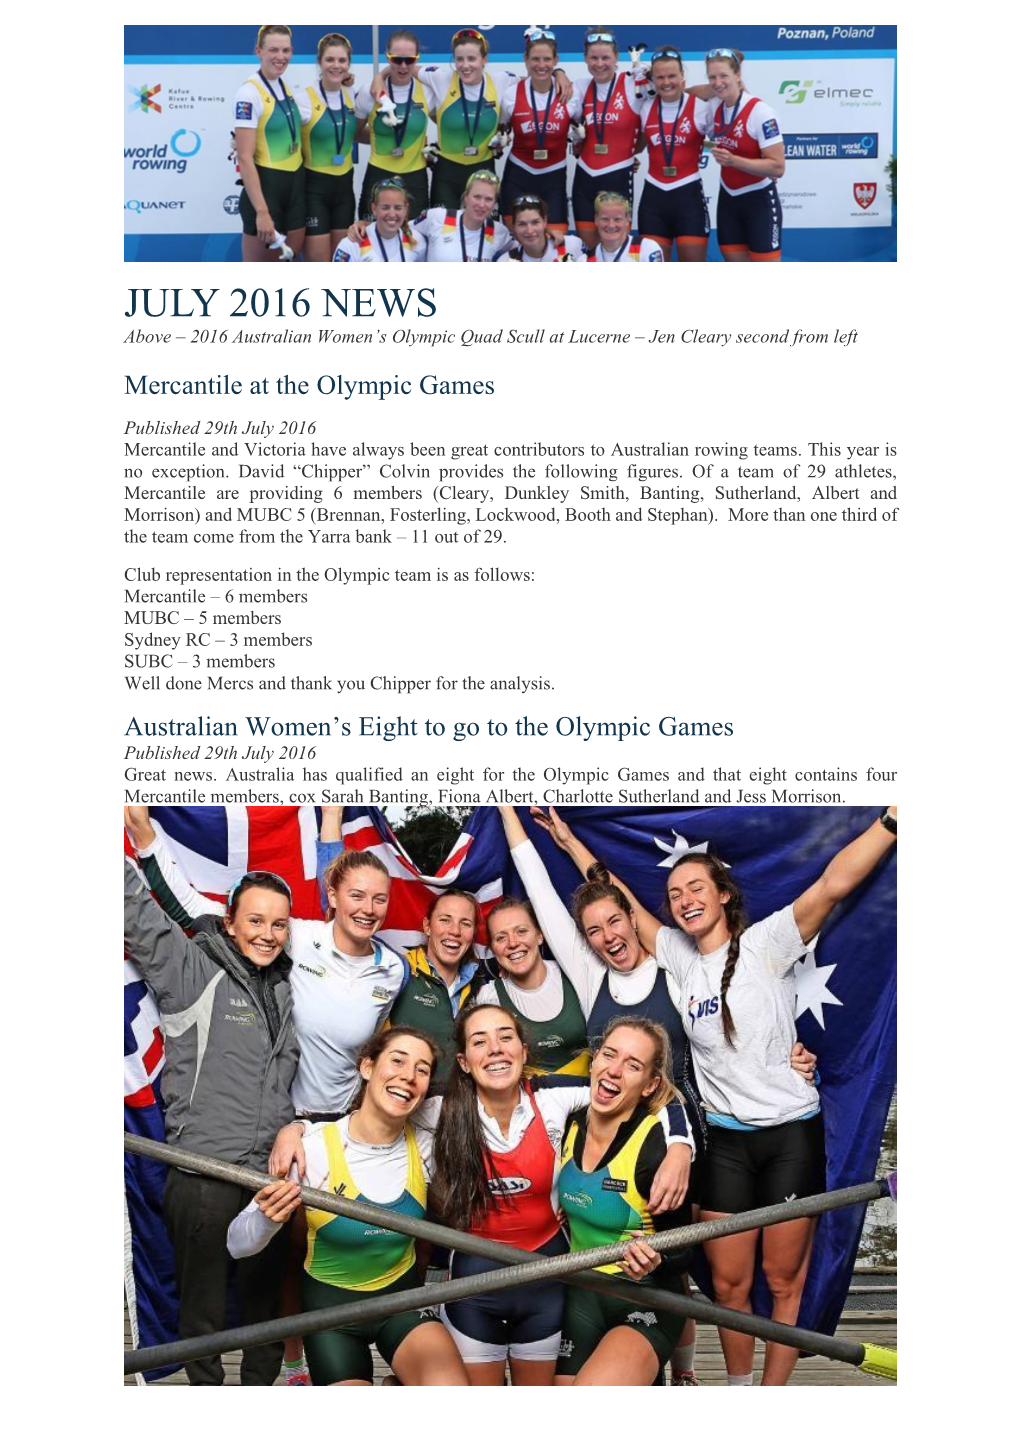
(265, 30)
(610, 197)
(346, 862)
(662, 1056)
(328, 41)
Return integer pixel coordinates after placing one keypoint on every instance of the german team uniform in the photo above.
(327, 148)
(450, 240)
(467, 118)
(277, 117)
(750, 216)
(639, 250)
(612, 118)
(397, 151)
(374, 248)
(606, 1206)
(537, 163)
(570, 248)
(673, 203)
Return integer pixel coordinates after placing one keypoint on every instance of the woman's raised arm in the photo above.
(844, 873)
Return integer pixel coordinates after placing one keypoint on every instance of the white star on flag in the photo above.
(813, 992)
(678, 847)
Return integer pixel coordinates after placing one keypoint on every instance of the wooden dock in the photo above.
(869, 1317)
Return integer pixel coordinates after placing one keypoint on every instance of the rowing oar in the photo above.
(521, 1269)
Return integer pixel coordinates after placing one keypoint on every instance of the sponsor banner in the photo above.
(179, 178)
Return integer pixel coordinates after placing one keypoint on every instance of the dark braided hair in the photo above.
(736, 920)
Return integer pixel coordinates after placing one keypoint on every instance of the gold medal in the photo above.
(669, 171)
(541, 155)
(602, 150)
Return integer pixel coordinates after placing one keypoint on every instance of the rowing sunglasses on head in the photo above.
(337, 39)
(393, 184)
(668, 53)
(531, 37)
(468, 35)
(722, 55)
(403, 59)
(264, 28)
(252, 877)
(600, 37)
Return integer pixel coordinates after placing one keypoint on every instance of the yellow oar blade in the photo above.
(880, 1362)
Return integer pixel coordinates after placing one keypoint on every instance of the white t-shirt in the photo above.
(753, 1080)
(542, 1003)
(702, 122)
(382, 251)
(248, 104)
(762, 127)
(446, 244)
(575, 251)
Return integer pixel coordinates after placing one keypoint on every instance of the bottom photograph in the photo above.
(597, 1096)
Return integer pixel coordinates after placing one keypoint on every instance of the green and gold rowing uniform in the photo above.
(606, 1206)
(412, 135)
(320, 134)
(558, 1047)
(354, 1255)
(275, 134)
(460, 133)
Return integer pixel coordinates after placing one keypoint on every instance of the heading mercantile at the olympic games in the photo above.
(646, 141)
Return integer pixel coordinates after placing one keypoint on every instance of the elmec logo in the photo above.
(795, 91)
(145, 99)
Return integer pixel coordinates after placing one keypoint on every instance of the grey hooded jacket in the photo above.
(226, 1081)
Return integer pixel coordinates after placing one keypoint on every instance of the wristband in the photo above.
(889, 822)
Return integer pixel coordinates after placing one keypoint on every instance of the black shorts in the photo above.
(523, 1322)
(679, 214)
(744, 1170)
(587, 187)
(329, 201)
(752, 221)
(551, 187)
(345, 1354)
(450, 178)
(284, 194)
(415, 182)
(589, 1316)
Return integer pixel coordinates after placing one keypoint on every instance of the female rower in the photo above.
(611, 113)
(540, 122)
(612, 228)
(387, 237)
(267, 133)
(443, 975)
(344, 979)
(374, 1154)
(534, 238)
(610, 1157)
(536, 992)
(496, 1162)
(748, 144)
(468, 234)
(327, 144)
(673, 205)
(225, 1008)
(398, 131)
(766, 1136)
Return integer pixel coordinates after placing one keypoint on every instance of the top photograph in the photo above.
(645, 142)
